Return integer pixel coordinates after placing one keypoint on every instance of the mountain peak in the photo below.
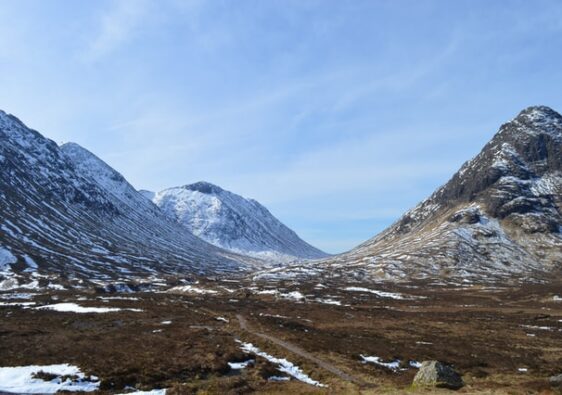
(5, 117)
(523, 151)
(533, 121)
(72, 145)
(233, 222)
(538, 113)
(204, 187)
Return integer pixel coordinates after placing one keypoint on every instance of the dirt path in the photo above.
(299, 351)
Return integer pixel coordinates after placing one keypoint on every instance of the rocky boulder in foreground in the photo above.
(556, 381)
(437, 374)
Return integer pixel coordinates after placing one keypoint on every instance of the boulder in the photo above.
(437, 374)
(556, 381)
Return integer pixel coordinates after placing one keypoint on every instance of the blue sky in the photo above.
(337, 115)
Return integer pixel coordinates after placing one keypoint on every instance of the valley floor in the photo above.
(327, 338)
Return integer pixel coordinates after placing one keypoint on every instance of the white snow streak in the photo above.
(284, 365)
(74, 308)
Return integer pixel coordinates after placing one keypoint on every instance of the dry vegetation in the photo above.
(487, 333)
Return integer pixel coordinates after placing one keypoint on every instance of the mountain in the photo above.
(499, 216)
(147, 194)
(232, 222)
(65, 212)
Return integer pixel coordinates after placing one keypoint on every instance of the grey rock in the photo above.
(437, 374)
(556, 381)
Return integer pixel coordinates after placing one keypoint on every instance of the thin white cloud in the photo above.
(118, 26)
(375, 164)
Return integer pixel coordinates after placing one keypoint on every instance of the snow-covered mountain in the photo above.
(232, 222)
(64, 211)
(499, 216)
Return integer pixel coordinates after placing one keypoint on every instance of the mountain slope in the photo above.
(71, 214)
(499, 216)
(232, 222)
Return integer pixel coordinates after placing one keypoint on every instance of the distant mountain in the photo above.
(147, 194)
(499, 216)
(65, 212)
(232, 222)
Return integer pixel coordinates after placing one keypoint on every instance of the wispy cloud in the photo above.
(117, 26)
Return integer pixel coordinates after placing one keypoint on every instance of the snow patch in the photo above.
(382, 294)
(74, 308)
(284, 365)
(117, 298)
(267, 292)
(241, 365)
(6, 258)
(153, 392)
(415, 364)
(295, 295)
(17, 296)
(192, 289)
(328, 301)
(393, 365)
(31, 265)
(23, 380)
(278, 378)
